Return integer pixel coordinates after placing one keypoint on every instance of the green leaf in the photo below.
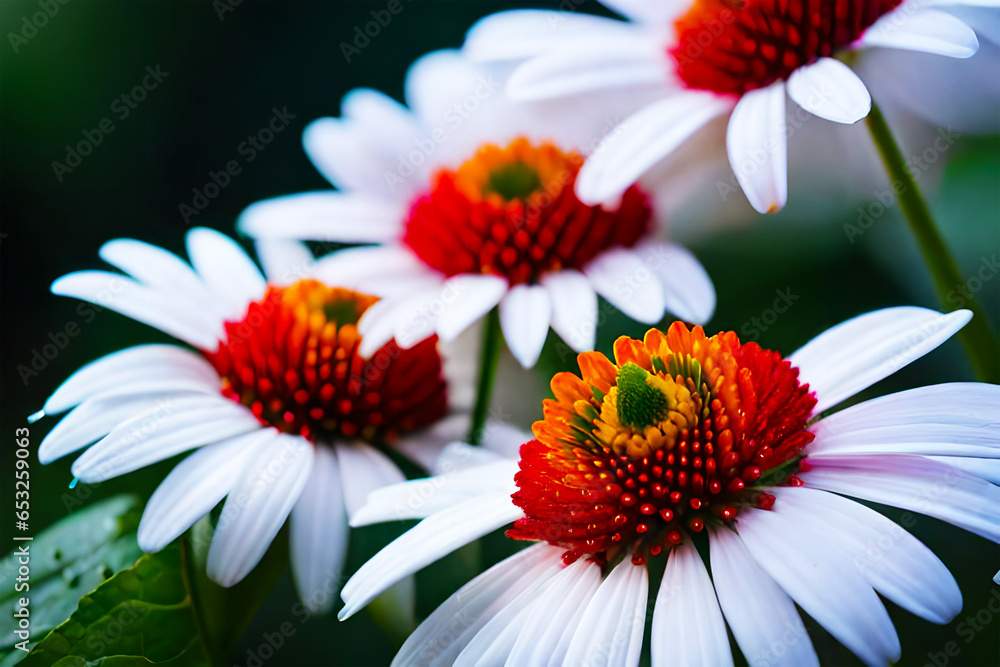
(68, 559)
(141, 616)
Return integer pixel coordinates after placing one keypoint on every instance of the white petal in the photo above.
(913, 483)
(830, 89)
(556, 614)
(574, 308)
(420, 498)
(447, 631)
(364, 470)
(525, 313)
(758, 147)
(227, 271)
(122, 368)
(894, 562)
(345, 217)
(142, 304)
(927, 30)
(318, 533)
(458, 456)
(367, 267)
(378, 324)
(174, 425)
(687, 624)
(988, 469)
(653, 13)
(610, 631)
(621, 277)
(196, 485)
(466, 298)
(344, 152)
(523, 33)
(957, 419)
(285, 261)
(643, 140)
(857, 353)
(159, 269)
(609, 64)
(93, 419)
(822, 580)
(505, 439)
(428, 541)
(424, 447)
(687, 290)
(763, 618)
(257, 507)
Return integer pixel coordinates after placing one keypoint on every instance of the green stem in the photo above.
(488, 360)
(980, 345)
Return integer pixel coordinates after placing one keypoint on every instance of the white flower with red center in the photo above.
(686, 438)
(701, 59)
(471, 200)
(286, 417)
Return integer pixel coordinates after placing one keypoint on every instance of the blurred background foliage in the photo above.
(229, 65)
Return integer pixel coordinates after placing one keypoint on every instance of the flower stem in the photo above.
(488, 361)
(980, 345)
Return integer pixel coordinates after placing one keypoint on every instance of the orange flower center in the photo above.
(681, 431)
(512, 212)
(293, 361)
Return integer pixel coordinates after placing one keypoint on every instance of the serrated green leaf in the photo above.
(67, 560)
(140, 616)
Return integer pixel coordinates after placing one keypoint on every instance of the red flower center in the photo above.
(682, 431)
(735, 46)
(512, 212)
(293, 361)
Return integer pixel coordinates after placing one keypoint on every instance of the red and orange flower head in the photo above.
(676, 434)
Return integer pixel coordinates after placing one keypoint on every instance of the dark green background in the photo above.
(225, 77)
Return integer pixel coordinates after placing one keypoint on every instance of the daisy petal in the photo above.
(621, 277)
(913, 483)
(142, 304)
(857, 353)
(466, 298)
(643, 11)
(522, 33)
(227, 271)
(363, 267)
(631, 61)
(574, 308)
(822, 580)
(447, 631)
(342, 151)
(167, 362)
(988, 469)
(424, 447)
(610, 630)
(762, 616)
(365, 469)
(525, 313)
(318, 534)
(927, 30)
(555, 615)
(257, 507)
(895, 563)
(641, 141)
(157, 268)
(343, 217)
(688, 292)
(830, 89)
(431, 539)
(687, 624)
(758, 147)
(957, 419)
(195, 486)
(285, 261)
(174, 425)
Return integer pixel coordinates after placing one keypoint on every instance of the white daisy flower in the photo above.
(703, 59)
(685, 434)
(285, 417)
(470, 201)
